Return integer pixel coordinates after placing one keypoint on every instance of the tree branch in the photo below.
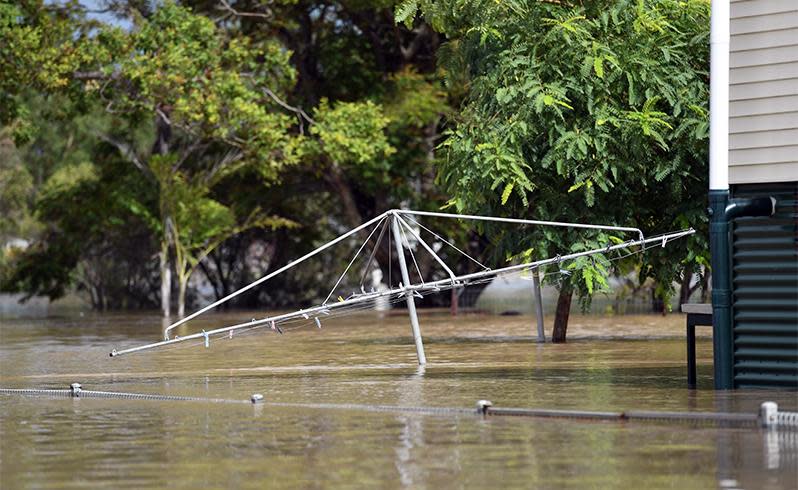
(228, 159)
(94, 75)
(127, 152)
(237, 13)
(163, 116)
(421, 33)
(297, 110)
(197, 144)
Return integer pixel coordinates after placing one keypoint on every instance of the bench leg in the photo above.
(691, 369)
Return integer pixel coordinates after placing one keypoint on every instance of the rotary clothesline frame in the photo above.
(395, 219)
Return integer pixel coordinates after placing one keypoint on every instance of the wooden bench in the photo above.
(697, 314)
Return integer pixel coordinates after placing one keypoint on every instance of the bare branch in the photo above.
(226, 6)
(301, 114)
(187, 152)
(421, 33)
(94, 75)
(163, 116)
(229, 158)
(127, 152)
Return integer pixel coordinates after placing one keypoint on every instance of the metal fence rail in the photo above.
(76, 391)
(769, 416)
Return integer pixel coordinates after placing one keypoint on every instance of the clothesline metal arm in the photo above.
(426, 247)
(523, 221)
(272, 274)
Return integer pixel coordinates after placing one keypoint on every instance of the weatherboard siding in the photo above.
(763, 91)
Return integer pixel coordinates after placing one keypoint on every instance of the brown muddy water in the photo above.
(612, 363)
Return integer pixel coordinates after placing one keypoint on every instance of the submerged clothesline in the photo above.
(406, 291)
(299, 322)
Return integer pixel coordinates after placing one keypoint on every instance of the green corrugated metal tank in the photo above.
(765, 291)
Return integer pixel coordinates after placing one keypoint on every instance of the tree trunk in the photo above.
(657, 303)
(163, 131)
(562, 313)
(93, 295)
(705, 290)
(226, 277)
(455, 303)
(163, 134)
(182, 282)
(166, 279)
(685, 290)
(211, 279)
(337, 180)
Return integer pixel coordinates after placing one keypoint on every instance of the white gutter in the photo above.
(719, 96)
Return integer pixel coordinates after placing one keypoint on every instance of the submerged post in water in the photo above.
(538, 305)
(411, 305)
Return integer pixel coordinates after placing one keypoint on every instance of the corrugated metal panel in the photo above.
(765, 288)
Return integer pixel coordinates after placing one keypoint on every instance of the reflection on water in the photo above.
(610, 364)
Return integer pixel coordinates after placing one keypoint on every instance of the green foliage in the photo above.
(207, 114)
(593, 112)
(68, 177)
(414, 100)
(39, 48)
(405, 12)
(414, 103)
(16, 187)
(90, 237)
(351, 132)
(208, 84)
(199, 222)
(52, 160)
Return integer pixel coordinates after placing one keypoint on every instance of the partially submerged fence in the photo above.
(768, 417)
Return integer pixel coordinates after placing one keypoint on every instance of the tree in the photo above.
(216, 99)
(199, 223)
(201, 87)
(349, 52)
(578, 111)
(16, 186)
(88, 236)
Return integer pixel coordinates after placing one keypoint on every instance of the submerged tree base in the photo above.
(562, 313)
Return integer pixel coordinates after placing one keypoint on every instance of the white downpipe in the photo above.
(719, 96)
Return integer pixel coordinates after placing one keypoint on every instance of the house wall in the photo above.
(763, 91)
(765, 290)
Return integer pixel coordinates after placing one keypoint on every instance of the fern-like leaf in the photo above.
(406, 12)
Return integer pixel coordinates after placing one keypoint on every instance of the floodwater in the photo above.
(612, 363)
